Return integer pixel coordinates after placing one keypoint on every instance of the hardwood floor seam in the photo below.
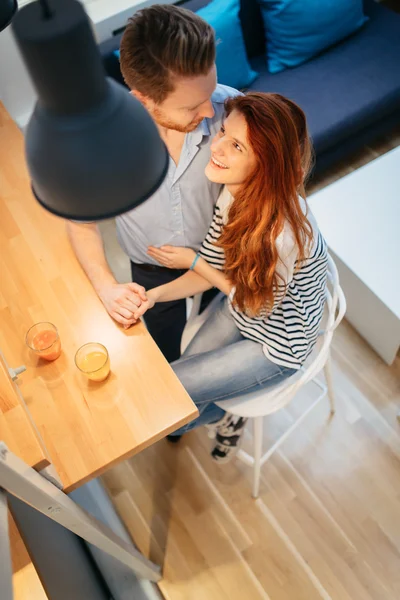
(219, 497)
(292, 549)
(315, 498)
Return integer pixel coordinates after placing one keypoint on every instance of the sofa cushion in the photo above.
(348, 87)
(232, 63)
(297, 30)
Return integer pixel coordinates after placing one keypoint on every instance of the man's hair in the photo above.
(163, 42)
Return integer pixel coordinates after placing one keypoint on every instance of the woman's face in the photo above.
(232, 158)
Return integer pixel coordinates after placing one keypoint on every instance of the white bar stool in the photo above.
(264, 402)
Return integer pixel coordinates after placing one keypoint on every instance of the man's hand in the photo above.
(122, 300)
(173, 257)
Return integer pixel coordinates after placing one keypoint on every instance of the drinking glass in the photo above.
(93, 361)
(43, 339)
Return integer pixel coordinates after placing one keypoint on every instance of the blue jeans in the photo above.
(220, 364)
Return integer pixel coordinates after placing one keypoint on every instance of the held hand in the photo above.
(144, 307)
(122, 300)
(173, 257)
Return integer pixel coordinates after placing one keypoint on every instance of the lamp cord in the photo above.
(46, 10)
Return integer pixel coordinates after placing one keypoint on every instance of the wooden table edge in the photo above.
(139, 448)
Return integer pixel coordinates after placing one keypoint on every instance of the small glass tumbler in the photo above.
(93, 361)
(44, 341)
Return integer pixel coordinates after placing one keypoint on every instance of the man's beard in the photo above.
(163, 122)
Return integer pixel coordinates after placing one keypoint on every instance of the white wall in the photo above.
(16, 90)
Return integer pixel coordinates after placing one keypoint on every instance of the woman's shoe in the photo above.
(228, 439)
(214, 428)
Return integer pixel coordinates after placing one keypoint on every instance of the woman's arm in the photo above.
(202, 278)
(185, 286)
(175, 257)
(214, 276)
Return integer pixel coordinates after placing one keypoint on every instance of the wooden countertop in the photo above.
(86, 427)
(16, 428)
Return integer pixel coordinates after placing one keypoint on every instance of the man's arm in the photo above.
(87, 243)
(120, 300)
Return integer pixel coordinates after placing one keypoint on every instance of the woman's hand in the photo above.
(149, 303)
(173, 257)
(121, 300)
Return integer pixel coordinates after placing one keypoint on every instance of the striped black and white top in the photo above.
(288, 333)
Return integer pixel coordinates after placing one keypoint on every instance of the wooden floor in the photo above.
(327, 523)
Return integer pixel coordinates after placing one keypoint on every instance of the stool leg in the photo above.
(329, 383)
(258, 443)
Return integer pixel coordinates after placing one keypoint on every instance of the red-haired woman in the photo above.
(264, 251)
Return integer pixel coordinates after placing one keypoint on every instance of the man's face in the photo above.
(185, 107)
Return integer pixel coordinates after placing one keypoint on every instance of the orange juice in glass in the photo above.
(92, 359)
(44, 341)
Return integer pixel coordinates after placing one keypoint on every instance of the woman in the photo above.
(264, 251)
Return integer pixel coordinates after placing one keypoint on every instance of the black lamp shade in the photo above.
(7, 11)
(96, 165)
(92, 149)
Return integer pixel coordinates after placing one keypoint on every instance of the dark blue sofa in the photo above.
(350, 93)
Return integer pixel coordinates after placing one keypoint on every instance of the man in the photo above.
(167, 59)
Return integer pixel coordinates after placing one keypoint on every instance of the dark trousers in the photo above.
(166, 320)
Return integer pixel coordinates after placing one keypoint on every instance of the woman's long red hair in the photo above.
(277, 133)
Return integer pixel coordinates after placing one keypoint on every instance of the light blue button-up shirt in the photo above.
(181, 210)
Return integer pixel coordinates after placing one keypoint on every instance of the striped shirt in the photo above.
(289, 331)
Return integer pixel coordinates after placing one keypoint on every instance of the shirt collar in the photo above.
(201, 131)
